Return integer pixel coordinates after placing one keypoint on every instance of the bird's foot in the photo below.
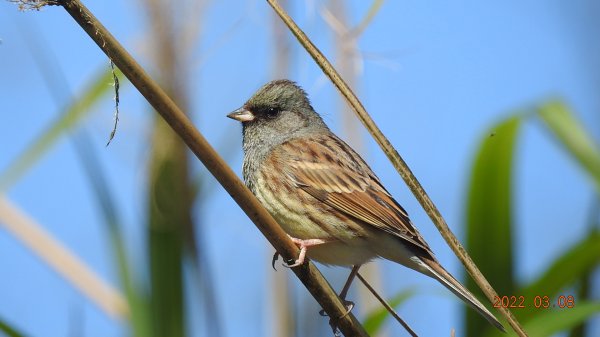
(303, 245)
(349, 306)
(333, 322)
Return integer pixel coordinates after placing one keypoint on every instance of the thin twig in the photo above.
(117, 86)
(387, 306)
(398, 162)
(308, 274)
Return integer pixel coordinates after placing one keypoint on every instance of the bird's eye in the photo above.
(266, 111)
(272, 111)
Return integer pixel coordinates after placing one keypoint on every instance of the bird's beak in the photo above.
(242, 115)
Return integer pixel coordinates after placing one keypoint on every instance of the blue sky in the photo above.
(435, 77)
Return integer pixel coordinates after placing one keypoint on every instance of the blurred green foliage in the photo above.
(9, 331)
(375, 319)
(489, 227)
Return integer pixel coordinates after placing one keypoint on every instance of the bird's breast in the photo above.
(296, 213)
(302, 216)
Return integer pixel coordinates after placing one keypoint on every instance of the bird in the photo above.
(324, 195)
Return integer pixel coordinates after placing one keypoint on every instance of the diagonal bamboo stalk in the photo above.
(308, 274)
(63, 261)
(398, 163)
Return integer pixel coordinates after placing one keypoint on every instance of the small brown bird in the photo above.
(322, 192)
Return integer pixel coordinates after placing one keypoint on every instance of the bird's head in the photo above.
(280, 109)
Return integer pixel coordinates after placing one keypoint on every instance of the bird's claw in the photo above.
(275, 258)
(295, 264)
(349, 306)
(333, 322)
(291, 264)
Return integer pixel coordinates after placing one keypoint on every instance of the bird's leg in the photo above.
(303, 245)
(351, 277)
(348, 304)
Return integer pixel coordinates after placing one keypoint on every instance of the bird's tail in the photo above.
(439, 273)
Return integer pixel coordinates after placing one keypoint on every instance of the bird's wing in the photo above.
(329, 170)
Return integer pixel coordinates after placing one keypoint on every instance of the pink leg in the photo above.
(303, 245)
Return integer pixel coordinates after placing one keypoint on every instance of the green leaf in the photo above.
(489, 215)
(374, 320)
(571, 134)
(581, 258)
(584, 283)
(98, 87)
(9, 331)
(554, 321)
(551, 321)
(170, 224)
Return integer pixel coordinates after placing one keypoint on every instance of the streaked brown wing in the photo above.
(342, 180)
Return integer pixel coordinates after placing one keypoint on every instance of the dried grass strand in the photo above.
(62, 260)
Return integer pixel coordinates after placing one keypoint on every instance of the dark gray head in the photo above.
(277, 112)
